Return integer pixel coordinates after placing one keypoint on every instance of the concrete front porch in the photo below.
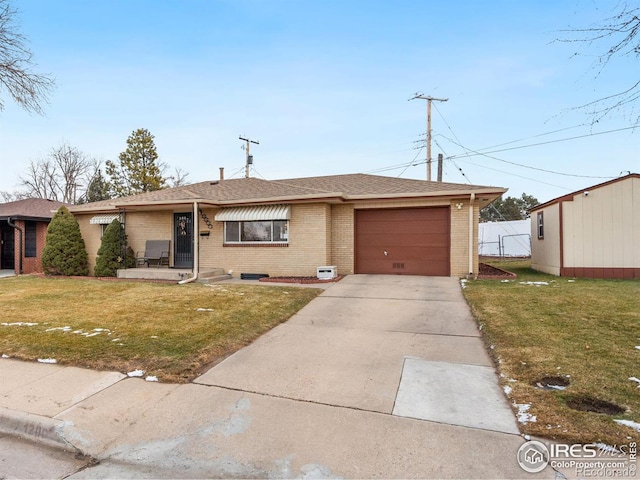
(171, 274)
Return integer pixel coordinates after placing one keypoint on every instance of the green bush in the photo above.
(65, 252)
(109, 258)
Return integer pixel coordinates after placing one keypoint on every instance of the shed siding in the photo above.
(545, 252)
(602, 229)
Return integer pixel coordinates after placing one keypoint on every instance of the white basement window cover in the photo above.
(103, 219)
(250, 214)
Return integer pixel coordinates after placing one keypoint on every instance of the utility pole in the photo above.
(429, 99)
(249, 156)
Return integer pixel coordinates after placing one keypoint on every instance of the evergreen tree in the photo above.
(509, 208)
(109, 254)
(138, 170)
(65, 252)
(98, 189)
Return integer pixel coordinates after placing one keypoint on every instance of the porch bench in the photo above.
(156, 252)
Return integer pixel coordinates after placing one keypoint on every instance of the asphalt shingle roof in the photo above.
(30, 209)
(247, 190)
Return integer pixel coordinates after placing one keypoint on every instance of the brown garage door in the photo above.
(410, 241)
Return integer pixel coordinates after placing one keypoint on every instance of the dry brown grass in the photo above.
(583, 330)
(124, 326)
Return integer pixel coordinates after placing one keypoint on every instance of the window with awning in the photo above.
(255, 213)
(260, 224)
(104, 219)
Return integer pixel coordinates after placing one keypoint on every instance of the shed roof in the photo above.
(570, 196)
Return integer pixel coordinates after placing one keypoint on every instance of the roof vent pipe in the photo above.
(221, 173)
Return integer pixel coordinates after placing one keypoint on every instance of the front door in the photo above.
(7, 247)
(183, 240)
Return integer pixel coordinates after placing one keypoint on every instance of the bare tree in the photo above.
(62, 176)
(616, 36)
(27, 88)
(178, 179)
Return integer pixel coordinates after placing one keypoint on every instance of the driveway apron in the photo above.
(399, 345)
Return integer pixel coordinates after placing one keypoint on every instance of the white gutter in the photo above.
(196, 246)
(471, 208)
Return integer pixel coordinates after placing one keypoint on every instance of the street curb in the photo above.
(35, 428)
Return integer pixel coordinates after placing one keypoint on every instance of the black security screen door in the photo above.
(183, 240)
(8, 251)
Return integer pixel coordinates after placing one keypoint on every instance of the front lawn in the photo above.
(564, 345)
(167, 330)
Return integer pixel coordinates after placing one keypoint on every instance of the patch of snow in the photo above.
(523, 413)
(637, 347)
(635, 379)
(151, 378)
(19, 324)
(570, 281)
(91, 334)
(47, 360)
(101, 330)
(629, 423)
(507, 390)
(534, 283)
(64, 329)
(463, 282)
(204, 309)
(136, 373)
(115, 340)
(505, 281)
(4, 355)
(527, 437)
(154, 336)
(556, 387)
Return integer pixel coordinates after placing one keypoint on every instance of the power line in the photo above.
(524, 166)
(552, 141)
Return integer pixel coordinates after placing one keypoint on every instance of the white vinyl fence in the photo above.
(505, 239)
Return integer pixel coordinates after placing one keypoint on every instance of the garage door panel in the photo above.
(417, 241)
(426, 240)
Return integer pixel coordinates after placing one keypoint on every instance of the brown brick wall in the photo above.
(30, 264)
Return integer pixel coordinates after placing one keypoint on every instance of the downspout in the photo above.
(196, 247)
(15, 227)
(471, 208)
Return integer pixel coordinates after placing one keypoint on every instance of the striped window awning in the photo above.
(103, 219)
(248, 214)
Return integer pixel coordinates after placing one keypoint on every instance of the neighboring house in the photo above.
(594, 232)
(505, 239)
(358, 223)
(23, 232)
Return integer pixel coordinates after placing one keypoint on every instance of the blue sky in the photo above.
(323, 85)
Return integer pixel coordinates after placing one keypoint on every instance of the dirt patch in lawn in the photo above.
(486, 271)
(590, 404)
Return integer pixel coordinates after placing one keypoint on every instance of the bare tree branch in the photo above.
(27, 88)
(621, 34)
(62, 176)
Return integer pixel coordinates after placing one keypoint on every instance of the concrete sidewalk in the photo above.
(379, 377)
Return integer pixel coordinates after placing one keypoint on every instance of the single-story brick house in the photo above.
(592, 233)
(358, 223)
(23, 232)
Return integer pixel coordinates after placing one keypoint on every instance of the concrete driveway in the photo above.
(402, 345)
(378, 377)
